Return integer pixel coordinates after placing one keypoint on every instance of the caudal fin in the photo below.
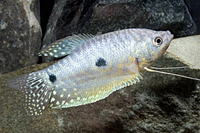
(36, 89)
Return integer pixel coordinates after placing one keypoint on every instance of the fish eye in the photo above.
(157, 41)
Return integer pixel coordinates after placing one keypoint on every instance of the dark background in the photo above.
(46, 7)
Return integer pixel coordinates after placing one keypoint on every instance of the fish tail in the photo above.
(37, 91)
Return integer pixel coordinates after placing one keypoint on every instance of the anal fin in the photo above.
(90, 92)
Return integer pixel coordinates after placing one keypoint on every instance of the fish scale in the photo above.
(95, 67)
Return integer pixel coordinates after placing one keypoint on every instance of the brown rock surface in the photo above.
(20, 34)
(159, 103)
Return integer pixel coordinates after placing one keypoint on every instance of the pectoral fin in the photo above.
(133, 67)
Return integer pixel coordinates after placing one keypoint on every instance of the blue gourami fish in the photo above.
(95, 67)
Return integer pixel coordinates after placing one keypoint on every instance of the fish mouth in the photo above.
(169, 39)
(171, 36)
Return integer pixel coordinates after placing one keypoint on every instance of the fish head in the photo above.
(152, 47)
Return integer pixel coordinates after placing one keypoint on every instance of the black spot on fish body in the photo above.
(101, 62)
(52, 77)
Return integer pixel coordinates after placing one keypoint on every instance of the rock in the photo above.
(186, 49)
(20, 34)
(193, 7)
(72, 17)
(159, 103)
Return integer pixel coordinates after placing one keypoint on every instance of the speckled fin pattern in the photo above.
(65, 46)
(36, 90)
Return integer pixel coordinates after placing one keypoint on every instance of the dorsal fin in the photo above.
(65, 46)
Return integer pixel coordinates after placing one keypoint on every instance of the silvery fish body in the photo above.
(95, 67)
